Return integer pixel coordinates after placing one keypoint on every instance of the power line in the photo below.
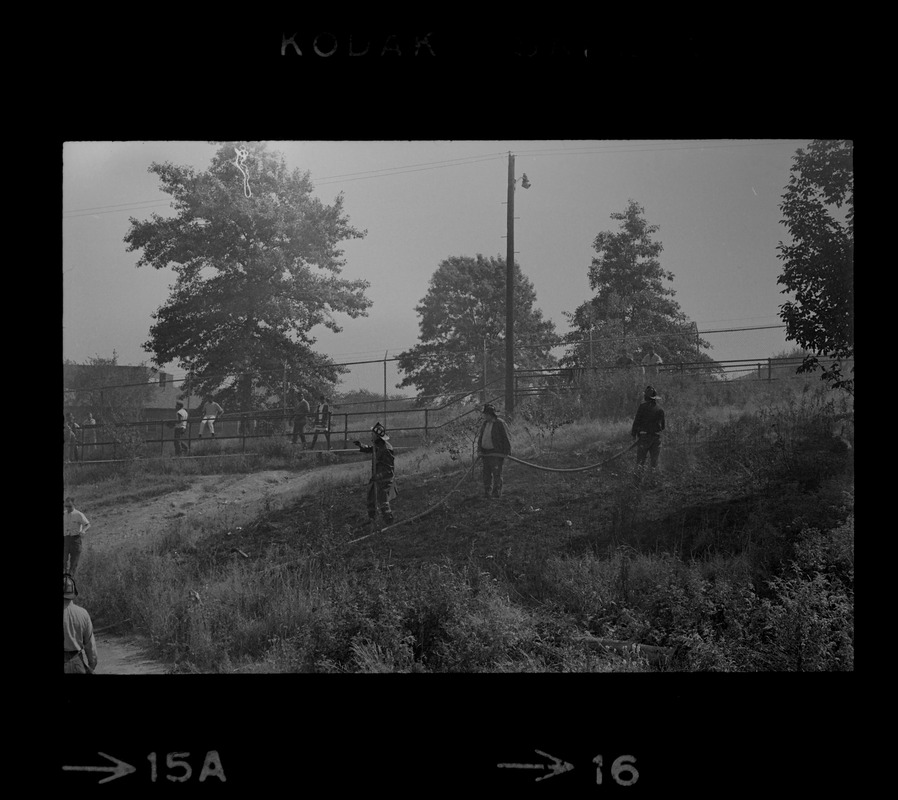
(627, 147)
(325, 181)
(737, 319)
(434, 164)
(399, 172)
(115, 205)
(631, 147)
(114, 210)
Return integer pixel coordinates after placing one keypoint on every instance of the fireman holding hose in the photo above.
(380, 487)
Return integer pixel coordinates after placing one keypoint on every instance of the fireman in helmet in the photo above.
(380, 488)
(493, 443)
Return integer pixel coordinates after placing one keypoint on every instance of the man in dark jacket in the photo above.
(647, 427)
(493, 442)
(380, 486)
(625, 360)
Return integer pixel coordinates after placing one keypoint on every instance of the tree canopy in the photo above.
(633, 307)
(257, 263)
(818, 263)
(464, 308)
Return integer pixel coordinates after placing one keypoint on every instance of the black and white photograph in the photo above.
(408, 463)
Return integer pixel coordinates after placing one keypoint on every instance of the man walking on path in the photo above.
(89, 430)
(493, 442)
(79, 645)
(647, 427)
(650, 363)
(380, 488)
(74, 526)
(73, 428)
(180, 429)
(211, 410)
(322, 422)
(66, 438)
(300, 419)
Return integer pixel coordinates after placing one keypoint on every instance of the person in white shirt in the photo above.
(211, 410)
(180, 429)
(650, 363)
(322, 422)
(89, 437)
(74, 526)
(301, 415)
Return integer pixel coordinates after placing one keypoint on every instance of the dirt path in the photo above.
(125, 655)
(231, 499)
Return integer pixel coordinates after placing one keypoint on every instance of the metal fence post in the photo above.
(769, 369)
(345, 430)
(426, 412)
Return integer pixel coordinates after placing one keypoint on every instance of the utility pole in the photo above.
(483, 393)
(385, 387)
(509, 296)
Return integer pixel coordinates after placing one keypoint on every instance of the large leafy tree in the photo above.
(818, 263)
(257, 263)
(464, 308)
(633, 306)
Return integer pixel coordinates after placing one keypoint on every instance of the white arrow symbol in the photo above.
(119, 769)
(556, 769)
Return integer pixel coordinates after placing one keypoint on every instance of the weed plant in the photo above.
(750, 568)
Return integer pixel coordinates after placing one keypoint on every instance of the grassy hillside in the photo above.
(739, 556)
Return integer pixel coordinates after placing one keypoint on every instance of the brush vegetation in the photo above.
(739, 556)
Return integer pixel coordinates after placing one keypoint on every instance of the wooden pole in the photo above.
(483, 393)
(509, 296)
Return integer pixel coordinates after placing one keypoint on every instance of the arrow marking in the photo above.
(557, 768)
(118, 770)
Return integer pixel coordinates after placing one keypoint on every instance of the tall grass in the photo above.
(773, 592)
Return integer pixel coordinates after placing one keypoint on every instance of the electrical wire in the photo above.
(626, 147)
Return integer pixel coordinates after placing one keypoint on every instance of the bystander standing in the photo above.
(74, 526)
(180, 431)
(300, 420)
(78, 643)
(322, 422)
(646, 430)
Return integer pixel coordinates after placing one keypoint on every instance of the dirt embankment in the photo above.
(236, 499)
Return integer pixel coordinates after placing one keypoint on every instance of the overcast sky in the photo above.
(716, 203)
